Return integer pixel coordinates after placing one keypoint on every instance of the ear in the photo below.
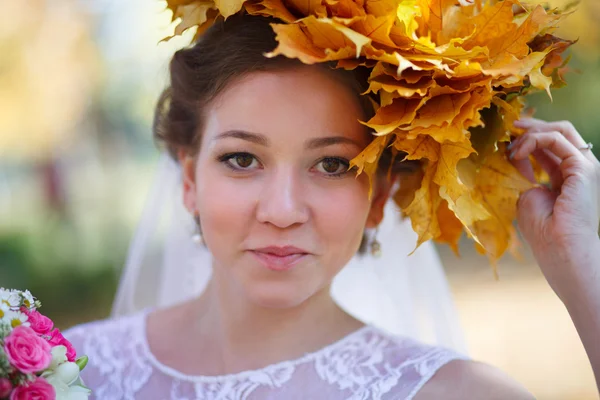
(188, 176)
(381, 194)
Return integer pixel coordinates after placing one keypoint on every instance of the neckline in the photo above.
(174, 373)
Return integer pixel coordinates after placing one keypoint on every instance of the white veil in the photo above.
(399, 294)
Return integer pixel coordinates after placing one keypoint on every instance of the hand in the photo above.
(560, 223)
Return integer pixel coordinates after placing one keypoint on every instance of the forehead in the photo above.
(301, 102)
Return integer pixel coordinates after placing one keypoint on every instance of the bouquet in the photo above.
(36, 361)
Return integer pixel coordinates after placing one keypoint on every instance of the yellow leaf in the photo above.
(500, 185)
(388, 118)
(344, 8)
(451, 228)
(407, 12)
(229, 7)
(270, 8)
(309, 41)
(314, 8)
(380, 8)
(516, 41)
(408, 84)
(321, 37)
(420, 147)
(446, 175)
(191, 15)
(375, 28)
(433, 15)
(539, 80)
(440, 109)
(423, 208)
(367, 161)
(493, 22)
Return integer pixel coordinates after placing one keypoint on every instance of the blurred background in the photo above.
(78, 83)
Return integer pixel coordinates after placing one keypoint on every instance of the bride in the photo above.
(263, 146)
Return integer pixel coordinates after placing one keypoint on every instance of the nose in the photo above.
(282, 201)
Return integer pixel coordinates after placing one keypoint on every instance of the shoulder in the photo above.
(404, 365)
(465, 379)
(116, 352)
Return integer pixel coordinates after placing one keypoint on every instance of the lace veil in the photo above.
(401, 294)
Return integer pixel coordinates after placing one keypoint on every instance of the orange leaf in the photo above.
(451, 228)
(420, 147)
(229, 7)
(367, 161)
(440, 109)
(388, 118)
(433, 16)
(344, 8)
(270, 8)
(423, 208)
(375, 28)
(314, 8)
(446, 174)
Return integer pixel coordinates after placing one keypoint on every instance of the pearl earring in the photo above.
(375, 245)
(197, 236)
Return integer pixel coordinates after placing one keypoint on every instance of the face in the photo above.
(279, 210)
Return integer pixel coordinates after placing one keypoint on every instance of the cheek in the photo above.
(225, 209)
(341, 221)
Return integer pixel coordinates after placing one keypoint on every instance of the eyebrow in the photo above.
(311, 144)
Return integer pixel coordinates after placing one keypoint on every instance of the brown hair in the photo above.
(226, 52)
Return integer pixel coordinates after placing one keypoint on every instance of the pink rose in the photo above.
(39, 389)
(57, 339)
(39, 323)
(5, 387)
(26, 351)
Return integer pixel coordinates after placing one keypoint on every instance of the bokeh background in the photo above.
(78, 83)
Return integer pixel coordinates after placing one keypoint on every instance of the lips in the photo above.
(279, 258)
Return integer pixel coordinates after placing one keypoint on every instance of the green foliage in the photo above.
(68, 292)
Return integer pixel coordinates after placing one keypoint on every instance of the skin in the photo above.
(251, 316)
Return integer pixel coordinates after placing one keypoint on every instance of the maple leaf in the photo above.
(422, 210)
(368, 159)
(308, 7)
(388, 118)
(270, 8)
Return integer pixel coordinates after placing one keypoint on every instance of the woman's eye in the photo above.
(241, 161)
(333, 166)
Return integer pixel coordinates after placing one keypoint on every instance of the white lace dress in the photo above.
(367, 364)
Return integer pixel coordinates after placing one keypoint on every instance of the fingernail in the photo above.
(510, 145)
(512, 154)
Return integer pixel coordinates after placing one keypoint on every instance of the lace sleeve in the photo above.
(115, 368)
(92, 375)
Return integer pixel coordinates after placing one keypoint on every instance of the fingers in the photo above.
(552, 141)
(551, 164)
(547, 161)
(565, 128)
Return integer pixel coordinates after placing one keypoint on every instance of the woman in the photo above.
(264, 147)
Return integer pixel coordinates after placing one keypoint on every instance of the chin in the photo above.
(278, 295)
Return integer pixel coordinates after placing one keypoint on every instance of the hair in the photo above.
(226, 52)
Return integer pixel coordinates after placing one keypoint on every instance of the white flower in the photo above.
(4, 311)
(59, 356)
(67, 372)
(28, 300)
(11, 297)
(16, 318)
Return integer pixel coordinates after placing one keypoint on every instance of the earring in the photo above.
(197, 236)
(375, 245)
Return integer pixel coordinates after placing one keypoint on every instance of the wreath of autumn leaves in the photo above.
(449, 77)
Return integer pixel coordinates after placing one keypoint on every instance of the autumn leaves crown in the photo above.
(449, 76)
